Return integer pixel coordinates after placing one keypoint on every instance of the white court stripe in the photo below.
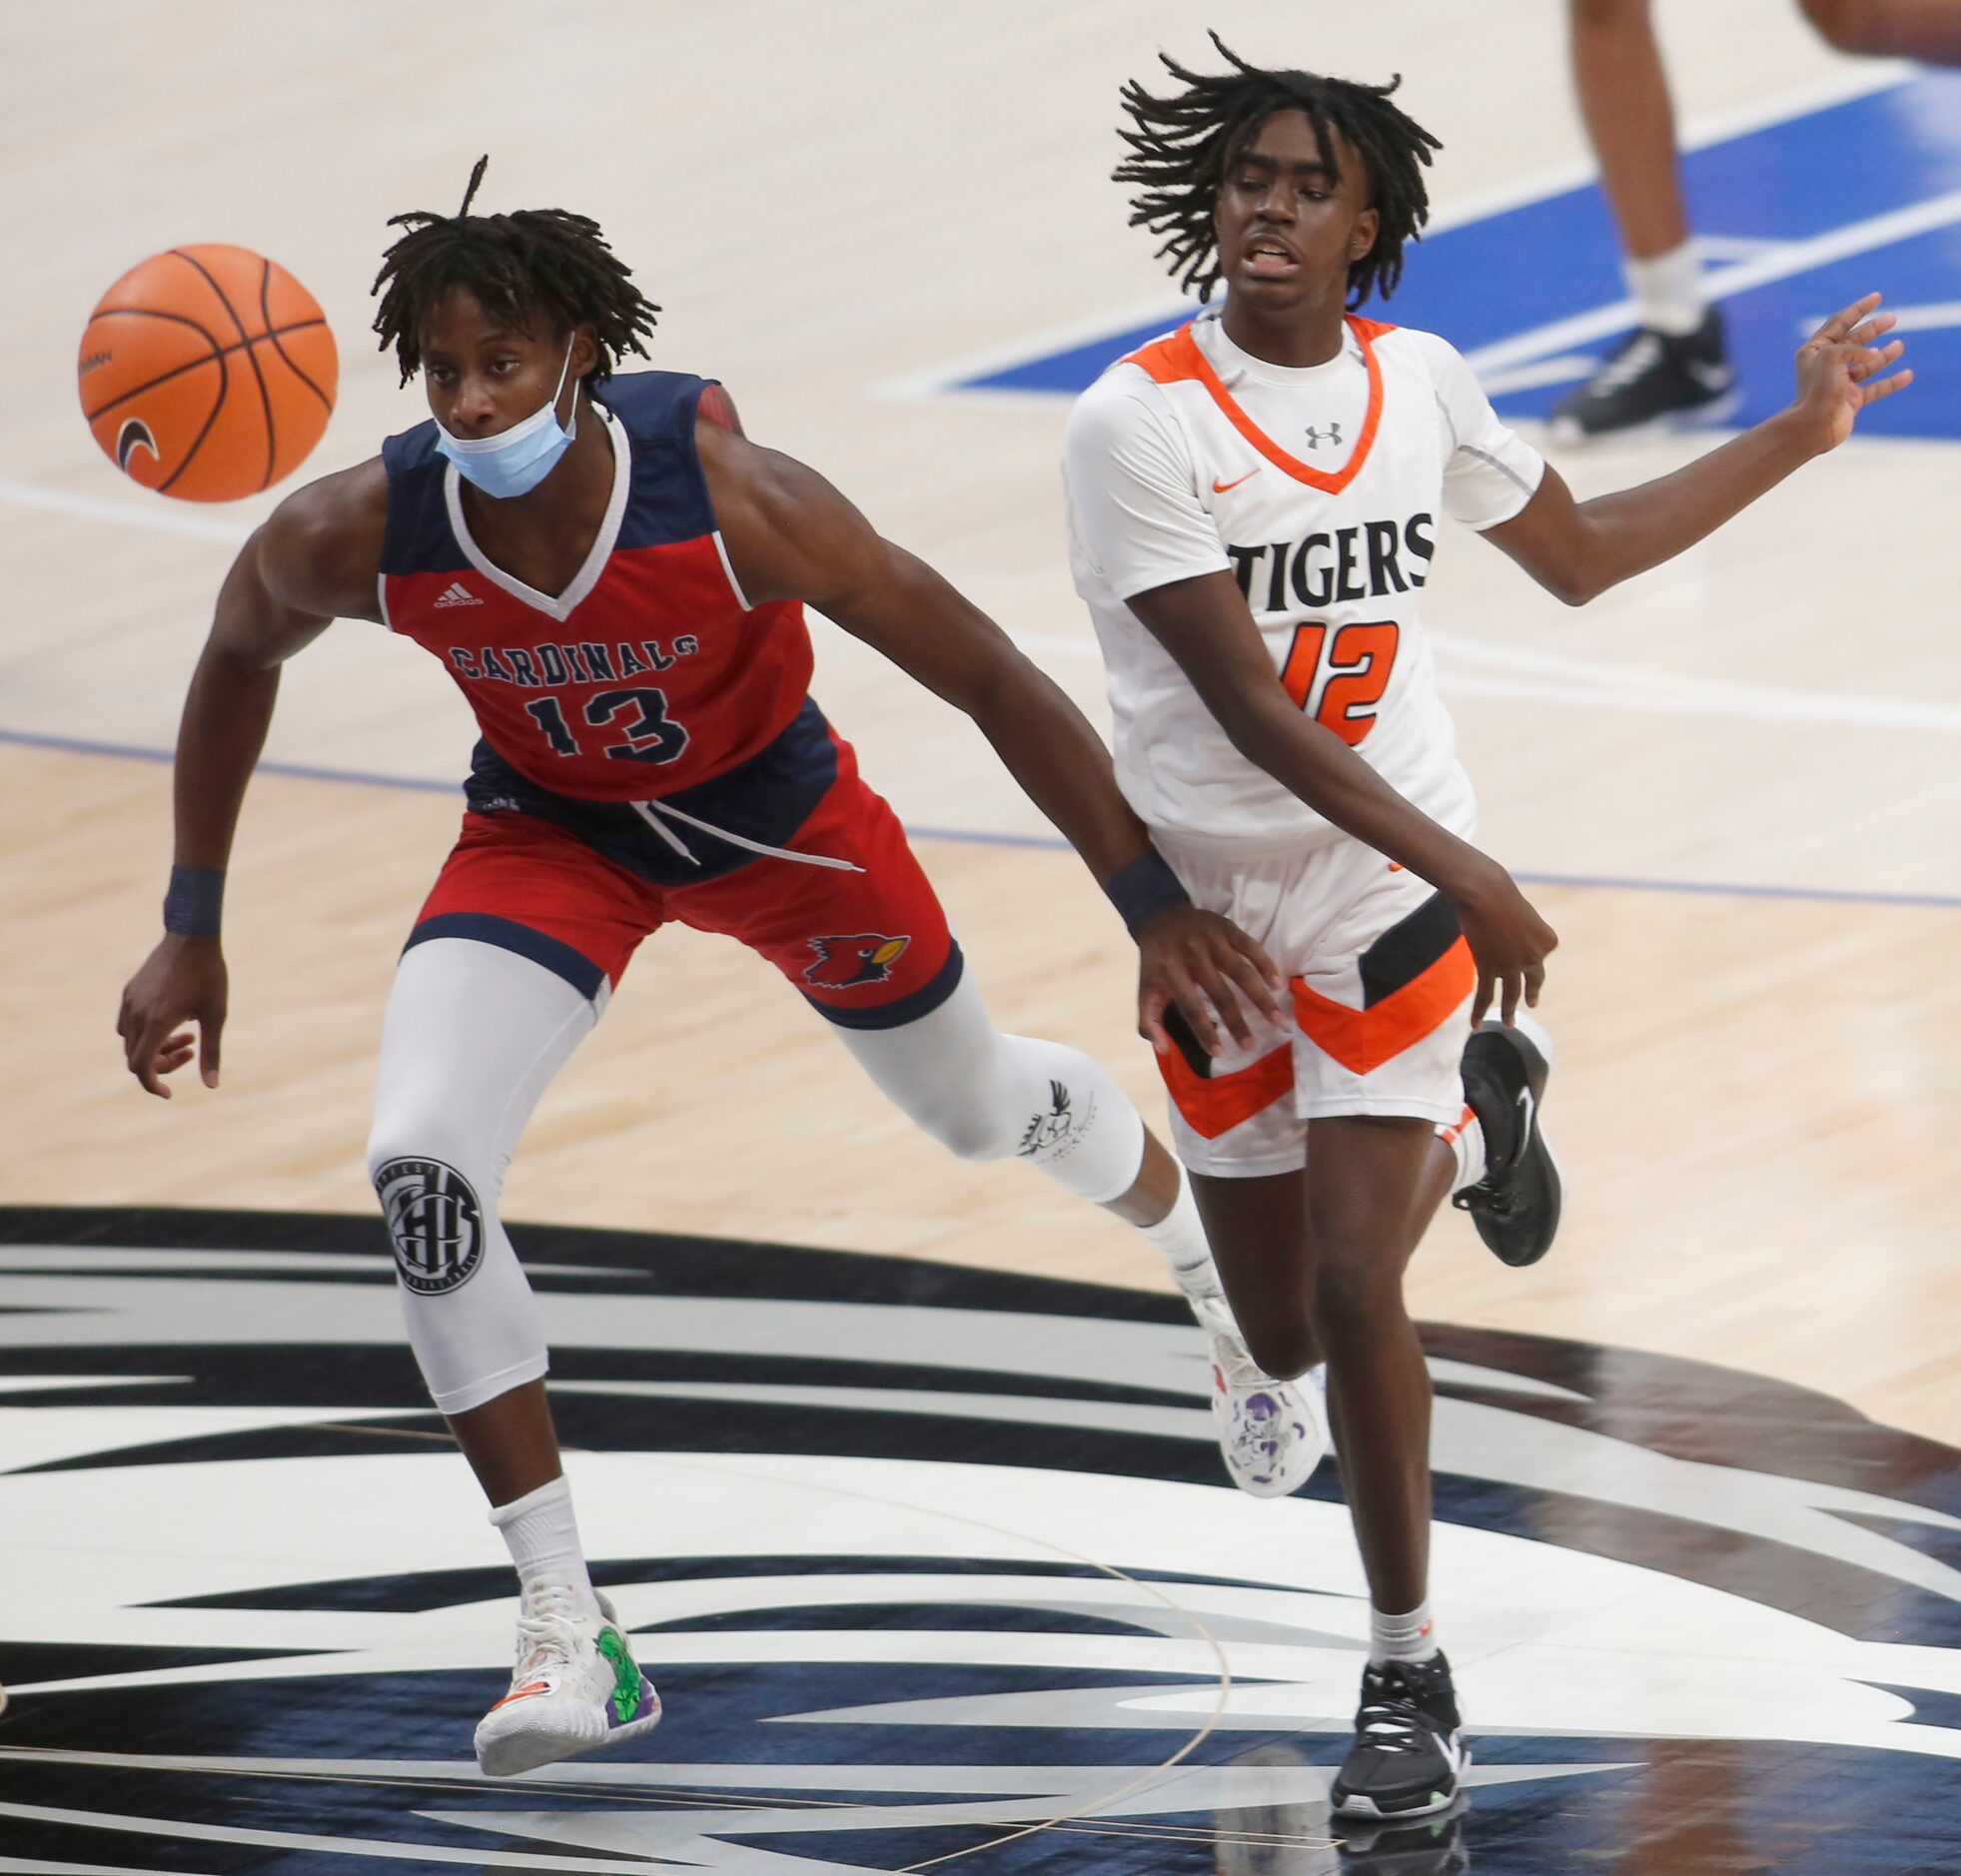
(1724, 283)
(1554, 680)
(164, 516)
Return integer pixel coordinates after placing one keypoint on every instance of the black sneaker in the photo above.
(1408, 1744)
(1655, 378)
(1429, 1846)
(1516, 1206)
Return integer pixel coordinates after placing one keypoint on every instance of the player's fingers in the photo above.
(1873, 358)
(209, 1030)
(1875, 329)
(1253, 972)
(1885, 386)
(143, 1054)
(1193, 1008)
(1847, 317)
(1482, 1001)
(1223, 994)
(1508, 1003)
(1535, 983)
(1151, 1003)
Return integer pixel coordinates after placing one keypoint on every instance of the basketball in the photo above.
(207, 372)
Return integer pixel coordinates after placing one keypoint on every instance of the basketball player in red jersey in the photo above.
(1252, 504)
(612, 576)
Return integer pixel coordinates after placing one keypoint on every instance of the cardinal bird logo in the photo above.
(848, 959)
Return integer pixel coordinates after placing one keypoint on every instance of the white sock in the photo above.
(544, 1537)
(1669, 290)
(1467, 1142)
(1181, 1237)
(1411, 1637)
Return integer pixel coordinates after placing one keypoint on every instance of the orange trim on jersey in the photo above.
(1177, 359)
(1363, 1040)
(1216, 1104)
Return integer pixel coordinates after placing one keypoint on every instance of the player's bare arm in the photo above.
(313, 561)
(1577, 550)
(1205, 624)
(790, 534)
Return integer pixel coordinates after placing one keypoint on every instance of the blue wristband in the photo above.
(1145, 886)
(194, 902)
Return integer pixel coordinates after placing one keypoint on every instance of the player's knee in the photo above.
(425, 1149)
(1359, 1287)
(969, 1127)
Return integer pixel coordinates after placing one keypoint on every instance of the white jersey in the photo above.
(1319, 489)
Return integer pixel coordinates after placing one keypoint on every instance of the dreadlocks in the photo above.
(1183, 145)
(531, 263)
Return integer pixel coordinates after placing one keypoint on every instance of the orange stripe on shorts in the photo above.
(1363, 1040)
(1215, 1104)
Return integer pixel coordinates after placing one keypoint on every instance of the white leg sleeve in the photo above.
(473, 1037)
(986, 1096)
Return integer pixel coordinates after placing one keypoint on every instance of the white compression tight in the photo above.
(472, 1038)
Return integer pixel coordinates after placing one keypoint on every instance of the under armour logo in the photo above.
(1334, 433)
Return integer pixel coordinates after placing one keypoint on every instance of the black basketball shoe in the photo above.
(1429, 1846)
(1408, 1744)
(1516, 1206)
(1655, 378)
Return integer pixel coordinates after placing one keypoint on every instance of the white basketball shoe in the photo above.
(1271, 1434)
(576, 1687)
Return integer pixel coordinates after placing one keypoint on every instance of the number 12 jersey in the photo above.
(1319, 489)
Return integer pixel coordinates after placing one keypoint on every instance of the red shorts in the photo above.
(869, 948)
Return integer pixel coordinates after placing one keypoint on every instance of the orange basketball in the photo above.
(208, 372)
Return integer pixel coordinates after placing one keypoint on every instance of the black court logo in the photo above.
(435, 1224)
(848, 959)
(135, 435)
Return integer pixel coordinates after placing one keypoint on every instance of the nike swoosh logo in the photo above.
(1526, 1108)
(1218, 487)
(1711, 376)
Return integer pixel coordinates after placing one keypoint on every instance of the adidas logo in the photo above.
(457, 593)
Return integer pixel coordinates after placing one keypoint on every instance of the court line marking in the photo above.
(945, 379)
(986, 837)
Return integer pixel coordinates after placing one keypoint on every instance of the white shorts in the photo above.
(1379, 983)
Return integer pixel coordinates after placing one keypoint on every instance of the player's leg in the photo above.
(1676, 363)
(1929, 30)
(485, 1012)
(870, 950)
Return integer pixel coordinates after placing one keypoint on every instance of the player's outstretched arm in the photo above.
(1205, 624)
(316, 560)
(1577, 550)
(791, 535)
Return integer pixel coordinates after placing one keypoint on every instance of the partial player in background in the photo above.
(1253, 506)
(1675, 367)
(613, 576)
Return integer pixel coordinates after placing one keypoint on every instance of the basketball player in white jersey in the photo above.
(1253, 507)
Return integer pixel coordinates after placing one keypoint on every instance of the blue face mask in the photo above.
(514, 460)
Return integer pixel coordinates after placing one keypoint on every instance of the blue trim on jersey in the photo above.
(907, 1009)
(766, 799)
(557, 957)
(668, 501)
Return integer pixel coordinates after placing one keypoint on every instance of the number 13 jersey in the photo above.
(1319, 491)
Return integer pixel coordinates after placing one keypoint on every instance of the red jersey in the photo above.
(651, 673)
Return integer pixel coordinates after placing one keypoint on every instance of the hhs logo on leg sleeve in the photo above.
(435, 1224)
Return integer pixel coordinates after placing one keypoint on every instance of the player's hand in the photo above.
(1202, 963)
(1507, 939)
(1842, 368)
(183, 981)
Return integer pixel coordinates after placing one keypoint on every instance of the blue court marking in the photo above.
(983, 837)
(1856, 170)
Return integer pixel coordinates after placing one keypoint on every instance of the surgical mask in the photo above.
(516, 460)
